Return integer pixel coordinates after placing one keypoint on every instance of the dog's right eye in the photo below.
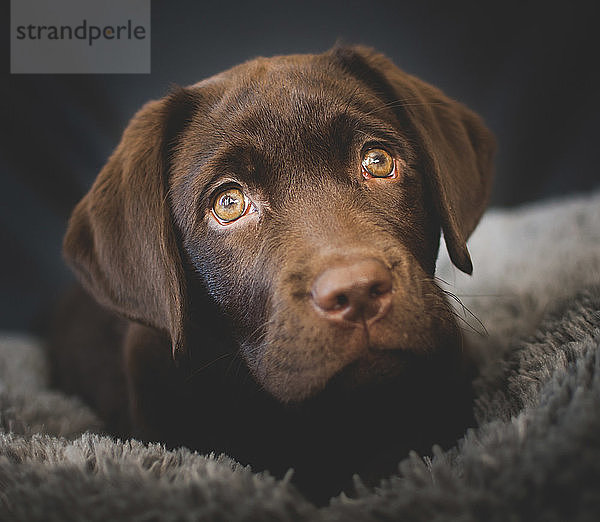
(229, 205)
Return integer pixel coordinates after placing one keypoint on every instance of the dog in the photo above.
(264, 245)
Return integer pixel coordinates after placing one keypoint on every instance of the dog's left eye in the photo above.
(230, 205)
(378, 163)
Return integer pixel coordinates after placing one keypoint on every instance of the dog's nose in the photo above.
(356, 291)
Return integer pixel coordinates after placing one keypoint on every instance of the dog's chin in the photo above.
(359, 369)
(374, 376)
(375, 370)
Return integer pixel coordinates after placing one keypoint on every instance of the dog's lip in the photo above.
(361, 361)
(362, 383)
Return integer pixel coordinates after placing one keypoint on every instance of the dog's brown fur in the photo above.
(263, 375)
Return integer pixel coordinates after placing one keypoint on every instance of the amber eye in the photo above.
(229, 205)
(377, 163)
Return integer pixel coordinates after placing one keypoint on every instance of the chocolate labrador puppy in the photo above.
(270, 235)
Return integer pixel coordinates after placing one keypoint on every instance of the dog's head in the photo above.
(307, 193)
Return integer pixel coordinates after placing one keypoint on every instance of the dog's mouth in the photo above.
(378, 382)
(358, 367)
(379, 374)
(355, 369)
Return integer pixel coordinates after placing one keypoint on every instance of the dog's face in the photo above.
(307, 193)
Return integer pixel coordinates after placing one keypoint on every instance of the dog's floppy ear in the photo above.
(456, 148)
(120, 239)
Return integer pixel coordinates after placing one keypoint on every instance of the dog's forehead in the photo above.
(300, 112)
(289, 93)
(283, 76)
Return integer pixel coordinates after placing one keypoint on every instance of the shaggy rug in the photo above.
(532, 311)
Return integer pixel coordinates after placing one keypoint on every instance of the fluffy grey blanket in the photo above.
(534, 456)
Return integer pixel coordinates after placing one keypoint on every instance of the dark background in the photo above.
(530, 68)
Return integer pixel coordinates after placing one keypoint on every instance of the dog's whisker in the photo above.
(499, 296)
(393, 102)
(483, 331)
(405, 102)
(237, 356)
(239, 367)
(465, 309)
(374, 142)
(204, 367)
(470, 327)
(479, 322)
(262, 328)
(443, 281)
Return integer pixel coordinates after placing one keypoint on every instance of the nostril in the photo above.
(378, 290)
(341, 301)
